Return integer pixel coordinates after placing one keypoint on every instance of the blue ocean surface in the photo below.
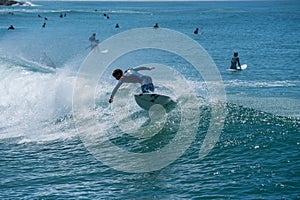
(47, 153)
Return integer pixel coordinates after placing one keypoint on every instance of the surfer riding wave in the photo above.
(132, 75)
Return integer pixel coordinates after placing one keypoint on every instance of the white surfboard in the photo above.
(243, 67)
(147, 100)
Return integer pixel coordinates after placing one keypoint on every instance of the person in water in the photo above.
(93, 40)
(132, 75)
(196, 31)
(235, 61)
(11, 27)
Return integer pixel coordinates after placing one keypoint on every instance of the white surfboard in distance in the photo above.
(243, 67)
(147, 100)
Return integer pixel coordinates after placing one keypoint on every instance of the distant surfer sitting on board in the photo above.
(132, 76)
(234, 61)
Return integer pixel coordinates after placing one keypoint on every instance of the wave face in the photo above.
(45, 154)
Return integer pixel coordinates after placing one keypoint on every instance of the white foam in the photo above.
(261, 84)
(32, 102)
(288, 107)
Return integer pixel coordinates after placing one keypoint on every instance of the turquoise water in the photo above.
(43, 156)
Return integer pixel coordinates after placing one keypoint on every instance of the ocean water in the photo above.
(48, 152)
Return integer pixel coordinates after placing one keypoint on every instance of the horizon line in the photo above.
(162, 0)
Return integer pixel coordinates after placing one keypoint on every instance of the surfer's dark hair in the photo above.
(117, 72)
(235, 53)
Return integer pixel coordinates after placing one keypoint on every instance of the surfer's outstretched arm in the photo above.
(143, 68)
(114, 92)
